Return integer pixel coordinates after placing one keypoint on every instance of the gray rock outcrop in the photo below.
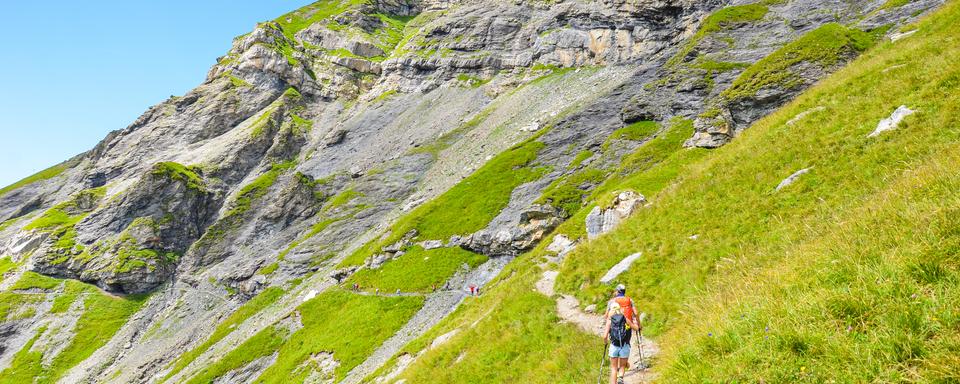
(600, 220)
(534, 224)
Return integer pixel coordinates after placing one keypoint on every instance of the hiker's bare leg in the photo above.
(614, 366)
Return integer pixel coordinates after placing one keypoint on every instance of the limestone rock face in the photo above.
(534, 224)
(131, 243)
(601, 221)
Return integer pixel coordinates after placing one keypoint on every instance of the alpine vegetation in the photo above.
(464, 191)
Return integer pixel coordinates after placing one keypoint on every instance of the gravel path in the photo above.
(568, 308)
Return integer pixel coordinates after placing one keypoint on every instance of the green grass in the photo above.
(417, 270)
(268, 269)
(227, 326)
(348, 325)
(102, 316)
(314, 230)
(342, 198)
(448, 139)
(387, 36)
(33, 280)
(45, 174)
(181, 173)
(66, 214)
(302, 18)
(654, 164)
(257, 188)
(236, 81)
(262, 124)
(25, 363)
(718, 66)
(6, 265)
(301, 125)
(724, 19)
(889, 4)
(6, 224)
(130, 255)
(580, 158)
(264, 343)
(71, 290)
(472, 81)
(568, 192)
(853, 268)
(633, 132)
(731, 16)
(60, 220)
(517, 338)
(15, 306)
(393, 32)
(824, 46)
(468, 206)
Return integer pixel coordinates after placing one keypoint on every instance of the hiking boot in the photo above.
(620, 380)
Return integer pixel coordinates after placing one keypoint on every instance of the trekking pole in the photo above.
(602, 358)
(641, 365)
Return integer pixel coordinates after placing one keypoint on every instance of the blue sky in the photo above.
(72, 71)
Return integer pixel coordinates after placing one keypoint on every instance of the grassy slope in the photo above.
(45, 174)
(508, 335)
(417, 270)
(6, 265)
(226, 327)
(848, 275)
(468, 206)
(102, 316)
(846, 246)
(348, 325)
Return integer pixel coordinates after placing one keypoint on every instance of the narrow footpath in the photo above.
(568, 308)
(437, 306)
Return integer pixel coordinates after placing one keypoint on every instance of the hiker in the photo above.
(378, 292)
(434, 287)
(472, 288)
(398, 291)
(620, 322)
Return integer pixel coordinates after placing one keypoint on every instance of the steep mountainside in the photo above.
(316, 210)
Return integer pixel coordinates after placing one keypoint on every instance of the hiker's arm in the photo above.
(636, 317)
(606, 326)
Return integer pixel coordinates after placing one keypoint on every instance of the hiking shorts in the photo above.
(620, 352)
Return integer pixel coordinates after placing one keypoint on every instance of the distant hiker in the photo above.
(473, 289)
(378, 292)
(398, 291)
(434, 287)
(620, 322)
(477, 291)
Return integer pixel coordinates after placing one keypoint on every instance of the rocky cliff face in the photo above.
(318, 130)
